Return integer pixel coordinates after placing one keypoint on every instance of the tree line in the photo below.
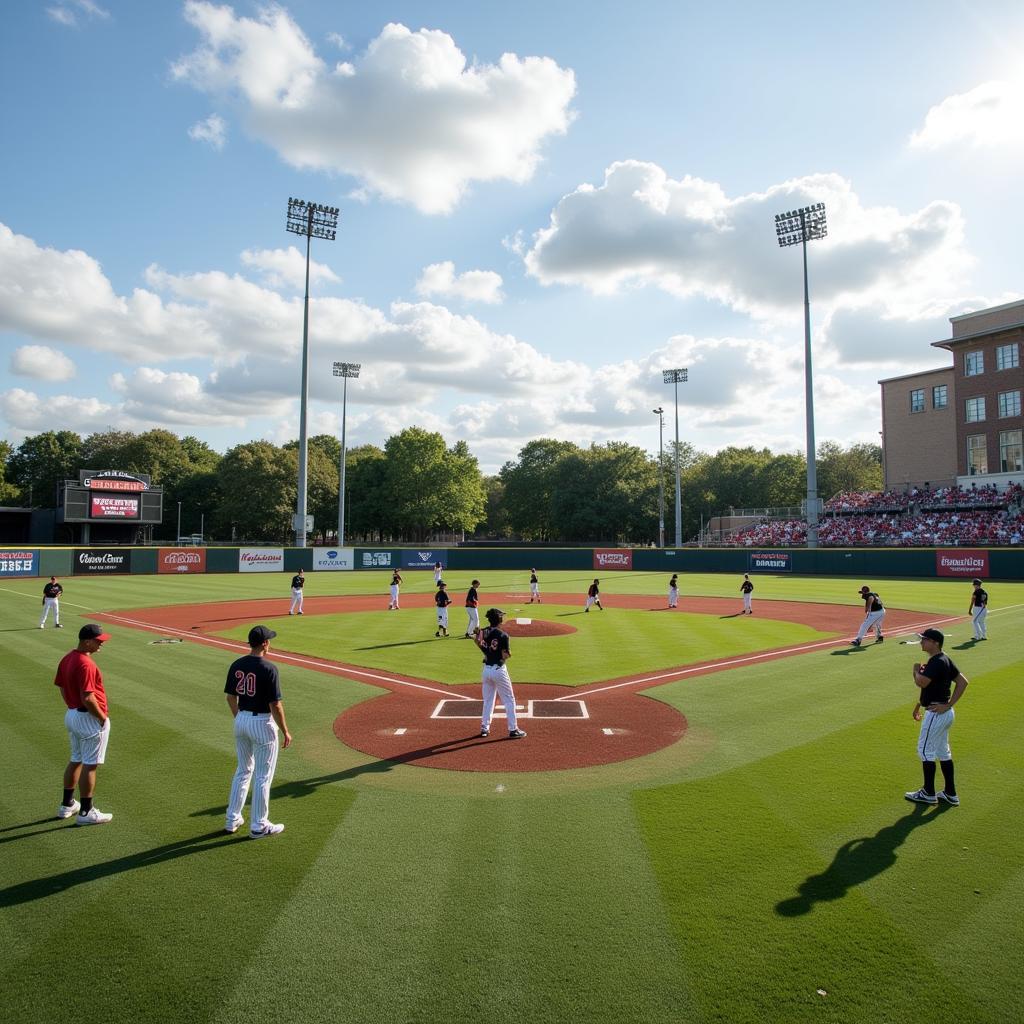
(417, 487)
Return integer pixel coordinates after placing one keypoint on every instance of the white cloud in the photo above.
(67, 13)
(213, 131)
(641, 227)
(471, 286)
(409, 118)
(41, 363)
(991, 114)
(27, 412)
(287, 266)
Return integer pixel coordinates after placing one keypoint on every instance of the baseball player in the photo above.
(298, 582)
(935, 679)
(87, 723)
(494, 679)
(593, 596)
(442, 600)
(254, 696)
(978, 611)
(438, 573)
(874, 613)
(747, 590)
(673, 591)
(51, 600)
(534, 587)
(472, 609)
(396, 582)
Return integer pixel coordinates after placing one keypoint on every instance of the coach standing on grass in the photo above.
(51, 602)
(936, 679)
(88, 725)
(254, 696)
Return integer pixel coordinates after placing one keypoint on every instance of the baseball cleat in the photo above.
(233, 827)
(516, 734)
(948, 798)
(40, 625)
(438, 633)
(58, 625)
(484, 733)
(921, 796)
(94, 817)
(267, 830)
(879, 640)
(855, 643)
(66, 812)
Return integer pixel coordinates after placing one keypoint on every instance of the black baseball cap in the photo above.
(259, 635)
(92, 632)
(977, 583)
(475, 583)
(865, 590)
(933, 634)
(494, 615)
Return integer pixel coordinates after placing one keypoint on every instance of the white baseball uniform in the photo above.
(673, 594)
(979, 613)
(872, 617)
(51, 602)
(495, 679)
(297, 584)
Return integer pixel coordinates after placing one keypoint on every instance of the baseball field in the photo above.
(706, 821)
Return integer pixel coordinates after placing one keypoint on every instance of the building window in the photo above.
(1009, 404)
(940, 397)
(1007, 357)
(975, 410)
(977, 455)
(917, 400)
(974, 363)
(1011, 451)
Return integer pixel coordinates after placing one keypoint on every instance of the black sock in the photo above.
(69, 798)
(947, 775)
(86, 805)
(929, 777)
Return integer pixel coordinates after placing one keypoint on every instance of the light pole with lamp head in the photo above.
(313, 221)
(675, 377)
(660, 413)
(798, 227)
(177, 540)
(343, 370)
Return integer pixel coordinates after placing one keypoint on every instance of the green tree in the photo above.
(857, 468)
(42, 462)
(8, 492)
(368, 509)
(531, 482)
(258, 486)
(496, 523)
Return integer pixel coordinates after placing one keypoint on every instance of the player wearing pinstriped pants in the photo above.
(254, 696)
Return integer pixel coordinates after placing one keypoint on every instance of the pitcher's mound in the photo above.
(535, 627)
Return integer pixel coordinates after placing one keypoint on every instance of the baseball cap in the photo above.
(260, 634)
(92, 632)
(978, 582)
(865, 590)
(933, 634)
(475, 583)
(494, 615)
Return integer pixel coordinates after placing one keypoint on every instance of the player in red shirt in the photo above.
(87, 722)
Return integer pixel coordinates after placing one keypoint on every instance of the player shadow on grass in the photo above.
(856, 862)
(62, 881)
(399, 643)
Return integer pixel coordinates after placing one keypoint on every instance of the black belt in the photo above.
(257, 712)
(84, 711)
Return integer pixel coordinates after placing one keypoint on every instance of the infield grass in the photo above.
(729, 877)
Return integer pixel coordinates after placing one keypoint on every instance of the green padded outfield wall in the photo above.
(144, 561)
(55, 561)
(521, 558)
(222, 559)
(298, 558)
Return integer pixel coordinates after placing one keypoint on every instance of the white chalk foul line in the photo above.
(717, 666)
(283, 656)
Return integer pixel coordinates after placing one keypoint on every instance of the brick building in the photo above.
(960, 423)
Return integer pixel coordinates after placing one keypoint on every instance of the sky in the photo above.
(542, 206)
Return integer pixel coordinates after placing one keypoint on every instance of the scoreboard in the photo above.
(111, 496)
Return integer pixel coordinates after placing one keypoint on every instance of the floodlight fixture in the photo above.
(677, 377)
(345, 371)
(312, 220)
(798, 227)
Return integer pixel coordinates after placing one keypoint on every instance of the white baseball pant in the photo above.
(394, 597)
(872, 621)
(747, 601)
(673, 597)
(495, 680)
(590, 601)
(48, 603)
(88, 738)
(978, 617)
(473, 614)
(442, 617)
(296, 600)
(256, 743)
(933, 740)
(534, 591)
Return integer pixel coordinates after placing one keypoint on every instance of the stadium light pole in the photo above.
(177, 540)
(675, 377)
(313, 221)
(343, 370)
(798, 227)
(660, 413)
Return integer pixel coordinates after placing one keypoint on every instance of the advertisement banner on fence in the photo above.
(375, 558)
(181, 560)
(961, 562)
(769, 561)
(613, 558)
(334, 559)
(18, 563)
(421, 558)
(261, 559)
(112, 560)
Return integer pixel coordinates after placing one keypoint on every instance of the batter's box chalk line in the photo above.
(553, 709)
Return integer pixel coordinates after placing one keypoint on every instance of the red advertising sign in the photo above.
(613, 558)
(107, 506)
(961, 562)
(106, 483)
(181, 560)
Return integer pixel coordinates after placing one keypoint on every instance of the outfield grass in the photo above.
(727, 878)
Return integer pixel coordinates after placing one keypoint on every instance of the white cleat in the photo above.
(94, 817)
(267, 830)
(66, 812)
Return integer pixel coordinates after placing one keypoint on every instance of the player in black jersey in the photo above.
(298, 582)
(494, 642)
(442, 600)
